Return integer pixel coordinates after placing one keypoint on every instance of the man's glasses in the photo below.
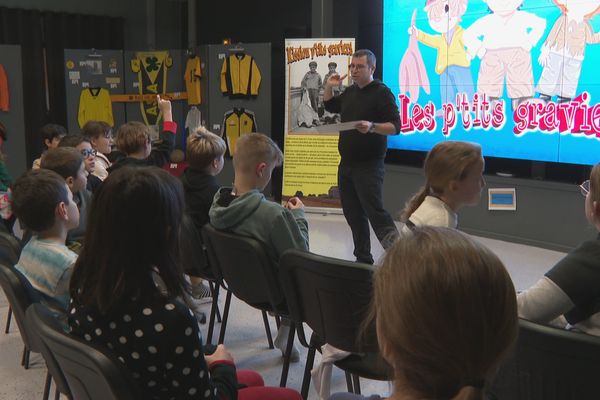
(585, 188)
(89, 152)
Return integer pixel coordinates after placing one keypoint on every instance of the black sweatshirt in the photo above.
(375, 103)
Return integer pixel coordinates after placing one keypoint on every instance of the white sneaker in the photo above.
(280, 342)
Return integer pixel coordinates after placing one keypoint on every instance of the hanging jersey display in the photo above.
(151, 67)
(237, 122)
(193, 73)
(240, 76)
(95, 105)
(4, 98)
(193, 119)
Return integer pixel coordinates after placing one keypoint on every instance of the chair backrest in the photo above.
(331, 296)
(20, 295)
(556, 364)
(10, 249)
(193, 252)
(91, 373)
(243, 263)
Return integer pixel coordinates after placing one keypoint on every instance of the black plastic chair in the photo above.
(243, 264)
(195, 262)
(550, 364)
(332, 297)
(91, 373)
(21, 295)
(10, 249)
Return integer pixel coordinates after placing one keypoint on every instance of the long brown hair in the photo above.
(446, 161)
(446, 313)
(133, 227)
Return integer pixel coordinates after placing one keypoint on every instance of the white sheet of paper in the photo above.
(343, 126)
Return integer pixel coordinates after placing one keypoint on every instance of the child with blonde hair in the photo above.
(204, 155)
(446, 315)
(133, 139)
(244, 210)
(454, 178)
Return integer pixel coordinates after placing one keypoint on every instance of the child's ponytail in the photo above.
(414, 203)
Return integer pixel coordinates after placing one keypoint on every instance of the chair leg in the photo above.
(349, 382)
(213, 309)
(356, 381)
(214, 290)
(225, 316)
(288, 355)
(27, 354)
(47, 386)
(8, 317)
(268, 329)
(310, 360)
(277, 321)
(56, 394)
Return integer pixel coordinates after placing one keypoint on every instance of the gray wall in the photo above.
(13, 120)
(548, 214)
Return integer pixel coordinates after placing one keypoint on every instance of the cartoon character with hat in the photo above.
(452, 64)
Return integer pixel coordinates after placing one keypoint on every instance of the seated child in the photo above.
(84, 146)
(44, 205)
(204, 154)
(51, 135)
(99, 133)
(68, 163)
(133, 235)
(569, 294)
(446, 315)
(243, 209)
(454, 179)
(133, 139)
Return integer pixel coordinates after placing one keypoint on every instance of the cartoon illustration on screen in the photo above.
(412, 75)
(503, 40)
(563, 51)
(452, 63)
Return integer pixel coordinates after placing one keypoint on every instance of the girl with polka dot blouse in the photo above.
(133, 233)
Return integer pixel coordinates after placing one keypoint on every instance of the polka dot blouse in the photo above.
(161, 344)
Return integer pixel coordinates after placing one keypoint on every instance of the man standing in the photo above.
(362, 151)
(312, 82)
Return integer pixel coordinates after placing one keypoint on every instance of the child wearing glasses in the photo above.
(83, 145)
(99, 134)
(568, 295)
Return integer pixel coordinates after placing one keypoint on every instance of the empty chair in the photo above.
(332, 297)
(246, 268)
(550, 364)
(91, 373)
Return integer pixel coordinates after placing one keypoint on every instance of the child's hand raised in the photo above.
(165, 108)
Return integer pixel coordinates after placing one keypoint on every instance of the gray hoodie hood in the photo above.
(228, 210)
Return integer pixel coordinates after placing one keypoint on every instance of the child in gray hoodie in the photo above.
(244, 210)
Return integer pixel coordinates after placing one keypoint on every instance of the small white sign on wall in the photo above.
(504, 199)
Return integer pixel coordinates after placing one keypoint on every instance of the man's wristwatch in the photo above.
(371, 128)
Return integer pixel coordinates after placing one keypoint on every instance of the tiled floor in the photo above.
(329, 235)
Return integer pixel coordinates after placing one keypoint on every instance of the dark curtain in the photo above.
(23, 27)
(43, 36)
(71, 31)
